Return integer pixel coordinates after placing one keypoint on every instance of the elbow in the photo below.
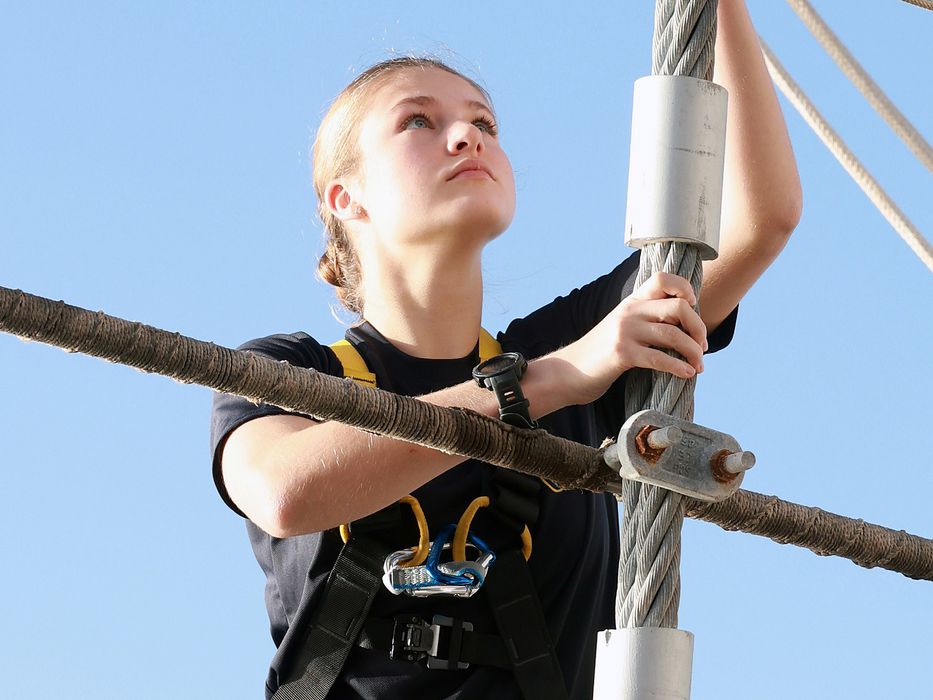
(778, 221)
(790, 211)
(274, 505)
(284, 513)
(276, 518)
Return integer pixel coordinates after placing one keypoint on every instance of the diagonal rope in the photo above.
(648, 594)
(860, 78)
(848, 160)
(259, 379)
(925, 4)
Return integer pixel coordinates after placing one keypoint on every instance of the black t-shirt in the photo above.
(576, 540)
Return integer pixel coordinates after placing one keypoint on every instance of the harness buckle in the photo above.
(414, 639)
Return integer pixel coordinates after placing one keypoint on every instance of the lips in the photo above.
(471, 169)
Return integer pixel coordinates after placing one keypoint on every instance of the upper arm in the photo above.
(761, 198)
(235, 418)
(249, 467)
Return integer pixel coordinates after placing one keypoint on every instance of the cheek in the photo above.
(508, 178)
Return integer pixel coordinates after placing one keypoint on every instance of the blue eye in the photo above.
(417, 121)
(486, 125)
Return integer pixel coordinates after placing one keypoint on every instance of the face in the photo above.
(431, 167)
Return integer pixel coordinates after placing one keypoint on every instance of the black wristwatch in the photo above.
(501, 374)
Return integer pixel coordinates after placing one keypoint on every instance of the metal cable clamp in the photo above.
(675, 454)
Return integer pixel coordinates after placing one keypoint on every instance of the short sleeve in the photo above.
(572, 316)
(228, 412)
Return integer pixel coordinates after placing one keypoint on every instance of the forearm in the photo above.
(761, 188)
(293, 476)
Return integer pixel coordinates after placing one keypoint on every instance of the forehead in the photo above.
(430, 82)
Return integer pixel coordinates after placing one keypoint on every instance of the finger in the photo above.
(679, 312)
(668, 337)
(665, 284)
(662, 362)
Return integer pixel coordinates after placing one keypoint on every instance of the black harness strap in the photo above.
(513, 597)
(521, 623)
(337, 620)
(324, 632)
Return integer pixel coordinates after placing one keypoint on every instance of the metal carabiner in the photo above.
(457, 578)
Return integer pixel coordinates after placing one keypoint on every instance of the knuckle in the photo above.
(656, 361)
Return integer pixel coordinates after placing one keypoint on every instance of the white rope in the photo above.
(860, 78)
(847, 159)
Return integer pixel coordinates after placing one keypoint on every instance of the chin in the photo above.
(480, 229)
(478, 223)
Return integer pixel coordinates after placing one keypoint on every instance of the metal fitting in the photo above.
(727, 465)
(680, 456)
(651, 441)
(676, 162)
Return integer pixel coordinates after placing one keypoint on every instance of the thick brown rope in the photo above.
(259, 379)
(457, 431)
(823, 533)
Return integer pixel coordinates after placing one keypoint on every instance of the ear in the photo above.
(341, 203)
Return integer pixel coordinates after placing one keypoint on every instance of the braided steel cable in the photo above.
(898, 220)
(860, 78)
(648, 594)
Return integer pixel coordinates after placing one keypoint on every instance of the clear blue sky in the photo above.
(154, 164)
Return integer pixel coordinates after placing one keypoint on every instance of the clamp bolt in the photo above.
(728, 465)
(662, 438)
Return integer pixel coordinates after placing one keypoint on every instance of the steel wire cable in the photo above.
(648, 593)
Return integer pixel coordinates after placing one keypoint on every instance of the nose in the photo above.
(464, 138)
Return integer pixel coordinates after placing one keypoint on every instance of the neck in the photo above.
(429, 308)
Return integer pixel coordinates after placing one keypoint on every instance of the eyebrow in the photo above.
(422, 100)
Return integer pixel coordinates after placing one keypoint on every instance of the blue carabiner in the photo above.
(469, 576)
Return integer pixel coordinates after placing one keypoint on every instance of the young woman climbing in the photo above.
(412, 184)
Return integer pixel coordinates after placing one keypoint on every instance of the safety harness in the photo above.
(327, 626)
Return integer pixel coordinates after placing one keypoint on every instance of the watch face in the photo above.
(495, 365)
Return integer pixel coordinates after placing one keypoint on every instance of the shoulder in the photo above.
(228, 411)
(571, 316)
(298, 349)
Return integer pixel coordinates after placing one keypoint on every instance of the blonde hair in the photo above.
(336, 155)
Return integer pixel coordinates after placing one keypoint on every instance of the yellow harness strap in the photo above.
(354, 367)
(463, 530)
(488, 346)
